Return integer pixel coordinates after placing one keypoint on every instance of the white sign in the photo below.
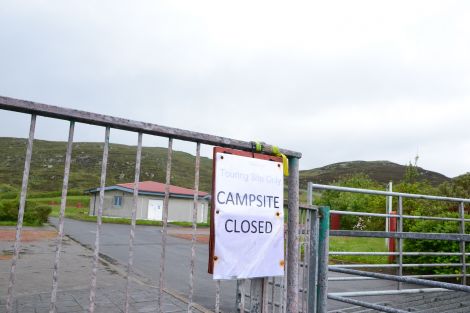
(248, 217)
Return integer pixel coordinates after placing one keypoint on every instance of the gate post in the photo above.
(313, 264)
(292, 301)
(323, 249)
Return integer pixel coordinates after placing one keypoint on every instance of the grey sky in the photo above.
(336, 80)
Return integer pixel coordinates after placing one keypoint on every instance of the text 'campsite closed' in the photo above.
(248, 216)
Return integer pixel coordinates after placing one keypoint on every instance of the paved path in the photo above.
(34, 275)
(115, 243)
(34, 278)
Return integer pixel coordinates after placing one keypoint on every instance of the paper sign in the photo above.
(248, 217)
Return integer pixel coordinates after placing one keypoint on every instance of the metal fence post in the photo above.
(292, 301)
(462, 243)
(323, 249)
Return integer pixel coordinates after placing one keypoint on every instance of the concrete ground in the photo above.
(34, 271)
(34, 278)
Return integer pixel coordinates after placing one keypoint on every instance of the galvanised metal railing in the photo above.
(291, 282)
(319, 304)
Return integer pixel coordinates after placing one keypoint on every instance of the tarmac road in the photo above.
(147, 254)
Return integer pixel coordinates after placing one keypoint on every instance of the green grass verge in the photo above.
(82, 215)
(358, 244)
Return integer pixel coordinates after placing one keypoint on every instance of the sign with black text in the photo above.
(248, 217)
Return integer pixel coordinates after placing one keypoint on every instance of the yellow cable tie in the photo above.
(285, 161)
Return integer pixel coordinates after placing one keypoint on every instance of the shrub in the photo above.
(347, 201)
(429, 226)
(34, 214)
(37, 215)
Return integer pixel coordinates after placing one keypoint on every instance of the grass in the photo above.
(358, 244)
(10, 223)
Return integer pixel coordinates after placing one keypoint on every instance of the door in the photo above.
(155, 209)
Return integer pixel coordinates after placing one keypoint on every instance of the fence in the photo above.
(319, 304)
(291, 282)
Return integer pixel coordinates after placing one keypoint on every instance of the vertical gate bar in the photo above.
(63, 202)
(265, 295)
(193, 238)
(309, 193)
(96, 252)
(323, 249)
(165, 224)
(257, 292)
(133, 220)
(313, 263)
(313, 244)
(217, 296)
(400, 240)
(273, 292)
(292, 301)
(19, 225)
(306, 255)
(284, 279)
(240, 299)
(462, 243)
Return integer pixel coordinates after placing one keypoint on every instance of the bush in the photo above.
(34, 214)
(429, 226)
(37, 215)
(347, 201)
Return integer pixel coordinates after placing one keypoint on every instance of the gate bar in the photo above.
(165, 224)
(323, 246)
(403, 279)
(63, 202)
(133, 220)
(404, 235)
(19, 225)
(462, 243)
(17, 105)
(366, 304)
(96, 252)
(193, 237)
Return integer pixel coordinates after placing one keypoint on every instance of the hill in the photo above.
(47, 166)
(380, 171)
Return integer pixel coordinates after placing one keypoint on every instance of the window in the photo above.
(117, 201)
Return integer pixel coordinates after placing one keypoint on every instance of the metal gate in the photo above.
(319, 268)
(291, 282)
(305, 285)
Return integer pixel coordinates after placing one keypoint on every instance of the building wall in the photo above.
(179, 209)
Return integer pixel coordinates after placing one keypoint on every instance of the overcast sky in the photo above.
(336, 80)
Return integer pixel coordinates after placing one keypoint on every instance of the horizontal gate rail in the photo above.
(46, 110)
(403, 235)
(366, 304)
(403, 279)
(397, 253)
(416, 217)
